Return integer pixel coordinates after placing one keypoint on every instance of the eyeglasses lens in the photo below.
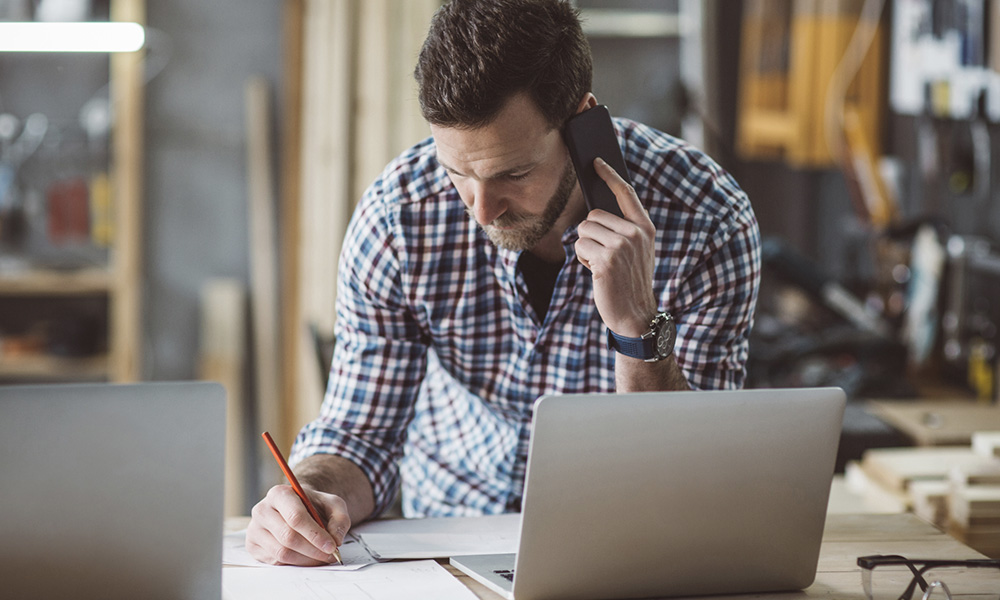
(889, 582)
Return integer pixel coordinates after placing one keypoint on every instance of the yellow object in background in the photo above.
(981, 372)
(101, 217)
(790, 53)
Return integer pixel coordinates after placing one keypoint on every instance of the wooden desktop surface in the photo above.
(846, 537)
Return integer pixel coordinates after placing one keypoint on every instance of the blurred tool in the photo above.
(796, 269)
(17, 143)
(971, 313)
(27, 143)
(814, 332)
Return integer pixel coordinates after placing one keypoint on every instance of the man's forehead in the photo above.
(460, 152)
(514, 136)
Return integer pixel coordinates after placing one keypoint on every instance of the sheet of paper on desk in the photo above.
(414, 580)
(440, 537)
(234, 552)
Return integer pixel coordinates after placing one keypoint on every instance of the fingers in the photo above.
(281, 531)
(602, 260)
(338, 521)
(607, 241)
(628, 201)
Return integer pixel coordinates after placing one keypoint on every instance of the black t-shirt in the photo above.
(541, 279)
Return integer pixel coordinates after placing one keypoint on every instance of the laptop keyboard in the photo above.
(507, 574)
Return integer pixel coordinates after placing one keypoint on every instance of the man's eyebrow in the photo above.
(446, 167)
(506, 172)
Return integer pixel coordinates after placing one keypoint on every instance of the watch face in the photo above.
(665, 338)
(662, 343)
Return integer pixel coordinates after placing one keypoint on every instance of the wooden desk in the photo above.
(845, 538)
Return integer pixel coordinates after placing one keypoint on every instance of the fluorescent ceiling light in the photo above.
(71, 37)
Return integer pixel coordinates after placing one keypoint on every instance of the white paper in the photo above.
(440, 537)
(234, 552)
(414, 580)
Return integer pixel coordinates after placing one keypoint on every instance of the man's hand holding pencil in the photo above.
(296, 525)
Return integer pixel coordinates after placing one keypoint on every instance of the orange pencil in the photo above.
(295, 486)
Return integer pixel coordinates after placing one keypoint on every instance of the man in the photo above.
(473, 280)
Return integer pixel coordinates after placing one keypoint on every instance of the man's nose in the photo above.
(487, 202)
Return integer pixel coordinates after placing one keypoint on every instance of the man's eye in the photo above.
(519, 176)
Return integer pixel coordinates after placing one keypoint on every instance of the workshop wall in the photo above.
(196, 202)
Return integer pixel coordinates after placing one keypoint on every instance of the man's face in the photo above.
(514, 175)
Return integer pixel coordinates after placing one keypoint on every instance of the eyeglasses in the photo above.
(937, 579)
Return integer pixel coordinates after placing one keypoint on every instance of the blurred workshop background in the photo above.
(172, 201)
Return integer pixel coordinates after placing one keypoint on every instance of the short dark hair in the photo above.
(480, 53)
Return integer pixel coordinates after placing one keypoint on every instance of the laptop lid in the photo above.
(111, 491)
(678, 493)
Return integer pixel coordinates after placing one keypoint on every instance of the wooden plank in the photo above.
(372, 113)
(263, 274)
(289, 210)
(57, 283)
(127, 163)
(895, 468)
(939, 422)
(46, 367)
(876, 497)
(410, 32)
(930, 501)
(755, 83)
(327, 201)
(804, 82)
(222, 352)
(986, 443)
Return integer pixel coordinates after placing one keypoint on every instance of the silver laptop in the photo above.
(111, 491)
(671, 494)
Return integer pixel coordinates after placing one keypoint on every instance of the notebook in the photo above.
(111, 491)
(671, 494)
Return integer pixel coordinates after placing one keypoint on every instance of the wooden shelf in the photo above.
(56, 283)
(54, 367)
(120, 282)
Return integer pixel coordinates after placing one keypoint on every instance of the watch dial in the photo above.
(665, 338)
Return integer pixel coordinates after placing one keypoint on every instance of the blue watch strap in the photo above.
(641, 347)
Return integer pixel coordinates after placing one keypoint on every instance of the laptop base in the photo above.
(495, 571)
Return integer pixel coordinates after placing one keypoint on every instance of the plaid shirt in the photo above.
(440, 356)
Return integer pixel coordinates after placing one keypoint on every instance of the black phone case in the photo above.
(589, 135)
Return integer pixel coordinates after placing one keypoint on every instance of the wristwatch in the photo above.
(654, 345)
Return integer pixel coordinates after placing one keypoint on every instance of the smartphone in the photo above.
(589, 135)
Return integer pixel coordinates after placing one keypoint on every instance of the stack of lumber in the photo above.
(974, 498)
(955, 488)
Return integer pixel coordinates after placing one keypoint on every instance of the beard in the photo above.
(527, 229)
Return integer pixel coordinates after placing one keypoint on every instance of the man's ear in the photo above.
(589, 101)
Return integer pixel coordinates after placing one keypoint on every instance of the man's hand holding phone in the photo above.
(620, 253)
(617, 238)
